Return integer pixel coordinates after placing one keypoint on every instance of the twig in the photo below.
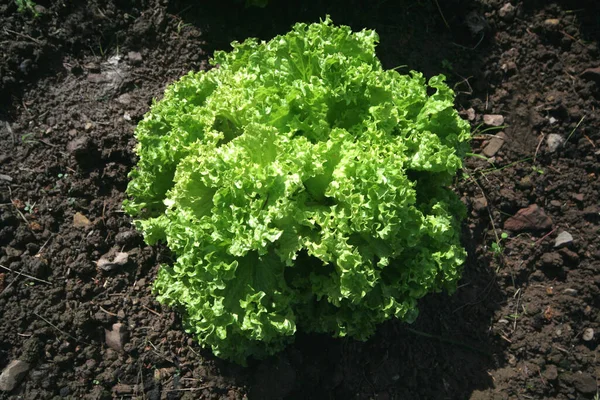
(60, 330)
(516, 314)
(194, 351)
(12, 282)
(161, 354)
(47, 143)
(39, 253)
(561, 349)
(545, 236)
(23, 35)
(482, 297)
(442, 14)
(108, 312)
(189, 389)
(574, 129)
(470, 48)
(24, 274)
(12, 134)
(20, 213)
(152, 311)
(540, 373)
(488, 210)
(572, 38)
(505, 338)
(450, 341)
(590, 140)
(538, 147)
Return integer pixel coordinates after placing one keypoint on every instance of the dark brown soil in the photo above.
(525, 322)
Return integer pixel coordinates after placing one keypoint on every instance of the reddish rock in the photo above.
(532, 218)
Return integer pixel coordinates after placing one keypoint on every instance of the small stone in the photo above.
(127, 116)
(25, 66)
(554, 141)
(88, 126)
(525, 182)
(532, 218)
(585, 383)
(135, 57)
(551, 22)
(494, 144)
(39, 9)
(471, 114)
(570, 292)
(569, 256)
(507, 12)
(493, 119)
(11, 252)
(592, 74)
(588, 334)
(80, 148)
(503, 321)
(140, 284)
(480, 204)
(510, 66)
(476, 23)
(551, 372)
(124, 99)
(97, 78)
(512, 360)
(13, 374)
(591, 213)
(551, 260)
(116, 337)
(161, 374)
(578, 197)
(555, 203)
(105, 264)
(80, 220)
(121, 389)
(82, 266)
(127, 238)
(564, 238)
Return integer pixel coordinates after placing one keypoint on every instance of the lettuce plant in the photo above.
(300, 185)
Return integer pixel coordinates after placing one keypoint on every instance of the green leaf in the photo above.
(300, 186)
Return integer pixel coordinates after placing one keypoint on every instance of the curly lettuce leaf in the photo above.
(300, 186)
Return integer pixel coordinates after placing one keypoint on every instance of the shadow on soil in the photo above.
(445, 354)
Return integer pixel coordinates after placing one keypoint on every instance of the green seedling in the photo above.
(24, 6)
(28, 138)
(497, 248)
(30, 207)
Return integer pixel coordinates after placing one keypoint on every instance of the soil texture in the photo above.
(76, 77)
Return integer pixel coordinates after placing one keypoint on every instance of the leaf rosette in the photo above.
(300, 184)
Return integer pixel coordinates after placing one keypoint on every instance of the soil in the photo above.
(76, 77)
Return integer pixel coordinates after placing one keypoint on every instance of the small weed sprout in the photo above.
(28, 138)
(24, 6)
(496, 246)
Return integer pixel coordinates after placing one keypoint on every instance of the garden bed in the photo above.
(525, 321)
